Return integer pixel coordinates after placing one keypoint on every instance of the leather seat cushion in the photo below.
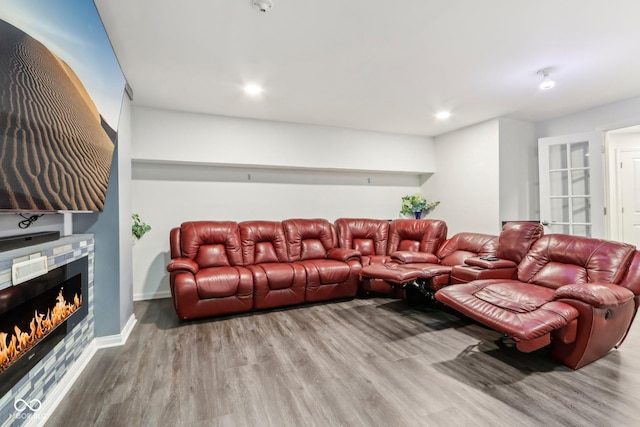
(278, 275)
(521, 310)
(219, 282)
(327, 271)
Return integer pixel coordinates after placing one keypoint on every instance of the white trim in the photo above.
(152, 295)
(55, 396)
(118, 339)
(60, 390)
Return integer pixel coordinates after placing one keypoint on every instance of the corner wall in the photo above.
(468, 182)
(112, 231)
(519, 186)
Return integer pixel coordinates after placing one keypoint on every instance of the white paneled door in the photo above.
(572, 185)
(629, 188)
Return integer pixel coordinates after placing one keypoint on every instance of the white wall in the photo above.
(611, 116)
(49, 222)
(188, 137)
(519, 187)
(327, 173)
(467, 183)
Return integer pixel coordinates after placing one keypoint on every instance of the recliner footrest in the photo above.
(522, 310)
(403, 273)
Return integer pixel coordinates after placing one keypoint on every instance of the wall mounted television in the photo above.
(61, 90)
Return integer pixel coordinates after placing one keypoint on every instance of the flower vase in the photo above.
(418, 214)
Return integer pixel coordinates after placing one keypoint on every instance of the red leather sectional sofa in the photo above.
(224, 267)
(578, 294)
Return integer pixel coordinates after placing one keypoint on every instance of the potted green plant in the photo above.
(414, 204)
(138, 227)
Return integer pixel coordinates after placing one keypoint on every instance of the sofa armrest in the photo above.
(341, 254)
(183, 264)
(407, 257)
(490, 264)
(596, 294)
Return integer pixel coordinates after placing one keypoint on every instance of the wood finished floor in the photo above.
(364, 362)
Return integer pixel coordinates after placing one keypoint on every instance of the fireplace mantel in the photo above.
(41, 383)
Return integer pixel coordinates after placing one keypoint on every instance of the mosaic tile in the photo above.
(47, 373)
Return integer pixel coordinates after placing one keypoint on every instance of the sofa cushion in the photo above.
(515, 296)
(368, 236)
(631, 279)
(326, 271)
(211, 243)
(416, 235)
(364, 246)
(517, 238)
(276, 276)
(221, 282)
(263, 242)
(457, 249)
(330, 279)
(557, 259)
(309, 238)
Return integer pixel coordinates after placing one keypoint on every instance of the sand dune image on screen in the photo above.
(56, 150)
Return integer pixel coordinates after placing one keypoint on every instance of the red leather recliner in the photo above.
(367, 236)
(428, 272)
(332, 272)
(409, 241)
(568, 292)
(207, 273)
(408, 235)
(370, 237)
(277, 282)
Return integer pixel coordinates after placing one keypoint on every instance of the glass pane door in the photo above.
(568, 202)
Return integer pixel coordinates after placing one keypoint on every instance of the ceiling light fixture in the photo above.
(263, 5)
(253, 89)
(546, 82)
(443, 115)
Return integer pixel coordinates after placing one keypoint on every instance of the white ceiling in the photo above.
(374, 64)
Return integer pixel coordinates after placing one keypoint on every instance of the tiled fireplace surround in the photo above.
(47, 379)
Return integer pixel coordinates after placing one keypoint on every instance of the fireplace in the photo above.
(36, 315)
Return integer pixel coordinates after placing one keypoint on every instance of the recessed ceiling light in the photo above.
(253, 89)
(443, 115)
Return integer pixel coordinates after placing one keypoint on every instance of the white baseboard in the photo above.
(61, 389)
(73, 372)
(118, 339)
(152, 295)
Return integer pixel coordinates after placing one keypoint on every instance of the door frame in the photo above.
(611, 175)
(598, 172)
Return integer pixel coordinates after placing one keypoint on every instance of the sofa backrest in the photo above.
(631, 279)
(309, 238)
(263, 242)
(457, 249)
(211, 243)
(416, 235)
(558, 259)
(516, 239)
(368, 236)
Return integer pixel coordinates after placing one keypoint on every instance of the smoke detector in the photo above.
(263, 5)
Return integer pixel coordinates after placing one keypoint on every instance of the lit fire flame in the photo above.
(20, 342)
